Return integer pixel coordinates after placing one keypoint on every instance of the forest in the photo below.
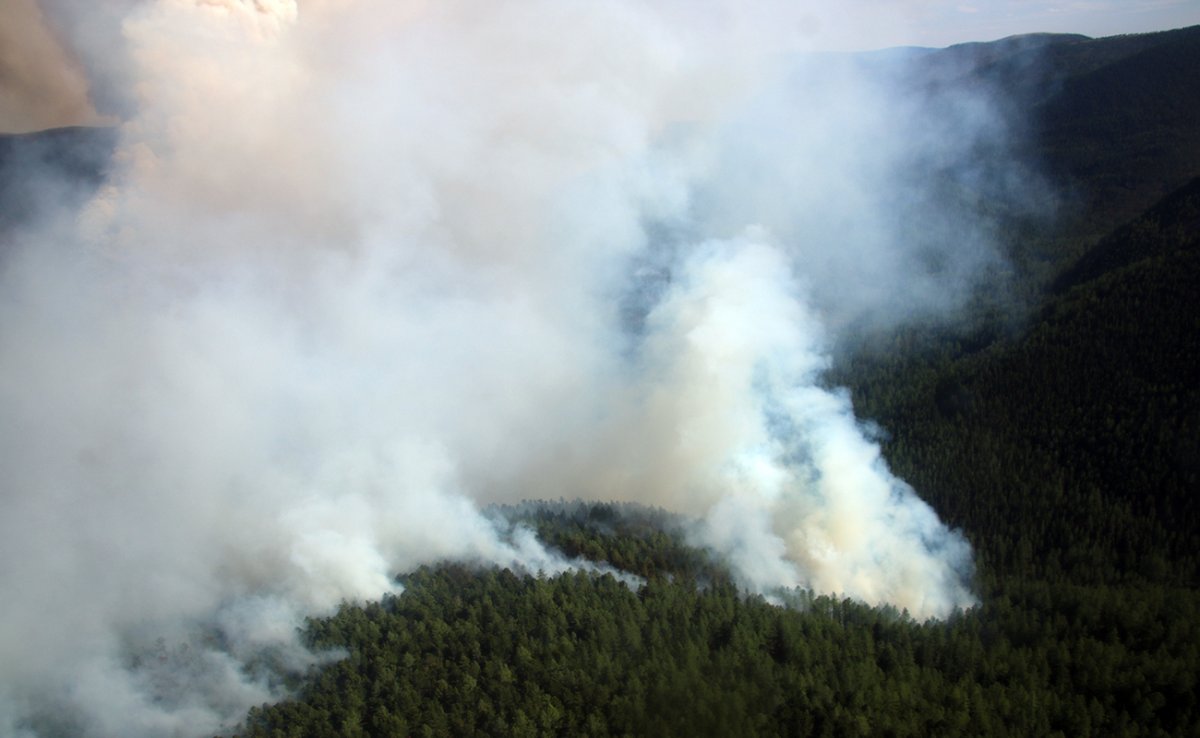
(482, 652)
(1058, 427)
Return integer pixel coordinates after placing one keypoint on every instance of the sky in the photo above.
(61, 73)
(944, 23)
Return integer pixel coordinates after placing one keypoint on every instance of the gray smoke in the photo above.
(365, 266)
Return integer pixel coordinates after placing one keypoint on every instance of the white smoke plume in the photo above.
(364, 266)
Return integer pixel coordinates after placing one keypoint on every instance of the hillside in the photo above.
(1126, 132)
(1114, 122)
(1069, 451)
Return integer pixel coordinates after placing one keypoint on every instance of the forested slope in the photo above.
(1111, 124)
(1071, 449)
(467, 652)
(1121, 135)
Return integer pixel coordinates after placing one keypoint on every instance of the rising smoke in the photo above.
(362, 267)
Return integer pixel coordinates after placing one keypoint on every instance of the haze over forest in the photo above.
(555, 368)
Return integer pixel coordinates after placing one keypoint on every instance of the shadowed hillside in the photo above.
(1070, 449)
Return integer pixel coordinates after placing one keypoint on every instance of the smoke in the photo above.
(363, 267)
(41, 84)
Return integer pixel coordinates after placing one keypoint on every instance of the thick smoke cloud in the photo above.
(363, 267)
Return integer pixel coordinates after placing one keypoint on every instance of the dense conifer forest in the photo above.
(482, 652)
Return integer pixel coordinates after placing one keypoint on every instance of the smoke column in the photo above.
(362, 267)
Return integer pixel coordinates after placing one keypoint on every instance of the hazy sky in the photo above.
(44, 74)
(943, 22)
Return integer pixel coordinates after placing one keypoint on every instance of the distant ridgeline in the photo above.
(1121, 125)
(1115, 122)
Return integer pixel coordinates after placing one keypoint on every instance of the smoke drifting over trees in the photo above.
(362, 266)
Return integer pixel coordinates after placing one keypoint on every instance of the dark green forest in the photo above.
(1058, 427)
(482, 652)
(1060, 431)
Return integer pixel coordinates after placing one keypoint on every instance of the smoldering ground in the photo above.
(360, 267)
